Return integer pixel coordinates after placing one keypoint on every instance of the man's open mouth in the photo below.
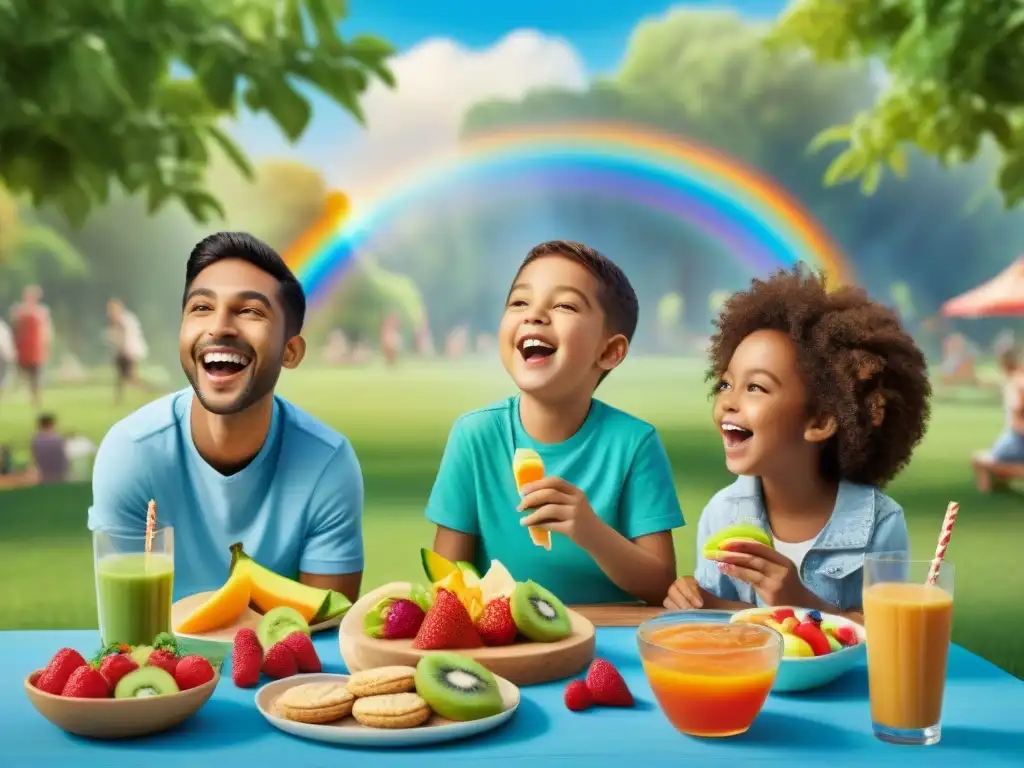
(734, 434)
(535, 349)
(223, 365)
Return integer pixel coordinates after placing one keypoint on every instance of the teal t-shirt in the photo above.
(616, 459)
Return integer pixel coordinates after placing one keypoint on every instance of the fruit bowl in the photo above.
(522, 663)
(808, 672)
(118, 718)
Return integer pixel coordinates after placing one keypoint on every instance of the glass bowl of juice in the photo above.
(709, 676)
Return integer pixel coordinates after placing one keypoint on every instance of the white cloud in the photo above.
(438, 81)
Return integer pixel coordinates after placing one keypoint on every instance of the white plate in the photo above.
(348, 731)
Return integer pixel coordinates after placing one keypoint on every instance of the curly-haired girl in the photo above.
(820, 398)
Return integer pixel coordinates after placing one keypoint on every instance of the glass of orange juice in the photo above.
(710, 677)
(908, 624)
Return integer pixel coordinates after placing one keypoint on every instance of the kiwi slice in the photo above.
(456, 687)
(538, 614)
(278, 623)
(140, 654)
(145, 681)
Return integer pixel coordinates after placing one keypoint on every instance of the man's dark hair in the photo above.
(46, 421)
(242, 245)
(615, 294)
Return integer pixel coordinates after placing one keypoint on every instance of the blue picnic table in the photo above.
(983, 724)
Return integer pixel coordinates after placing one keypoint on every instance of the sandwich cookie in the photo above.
(382, 680)
(395, 710)
(315, 703)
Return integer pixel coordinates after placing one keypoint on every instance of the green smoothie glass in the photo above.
(134, 588)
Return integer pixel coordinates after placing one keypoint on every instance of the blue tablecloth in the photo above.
(983, 724)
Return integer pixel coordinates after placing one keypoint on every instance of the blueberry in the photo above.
(814, 616)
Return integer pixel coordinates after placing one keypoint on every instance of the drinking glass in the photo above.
(908, 624)
(134, 588)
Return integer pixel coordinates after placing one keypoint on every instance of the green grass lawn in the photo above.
(398, 421)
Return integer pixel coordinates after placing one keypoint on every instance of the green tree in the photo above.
(952, 81)
(104, 93)
(282, 200)
(32, 252)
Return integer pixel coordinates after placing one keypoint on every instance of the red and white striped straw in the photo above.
(944, 537)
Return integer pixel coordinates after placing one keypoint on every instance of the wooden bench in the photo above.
(991, 475)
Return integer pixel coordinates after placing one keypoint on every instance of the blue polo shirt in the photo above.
(296, 507)
(617, 460)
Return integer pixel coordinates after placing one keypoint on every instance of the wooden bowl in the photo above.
(118, 718)
(522, 663)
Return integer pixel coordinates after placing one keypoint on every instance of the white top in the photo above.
(794, 550)
(6, 342)
(126, 337)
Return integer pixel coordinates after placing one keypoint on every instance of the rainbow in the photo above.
(759, 223)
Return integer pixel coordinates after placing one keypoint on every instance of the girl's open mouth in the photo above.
(735, 435)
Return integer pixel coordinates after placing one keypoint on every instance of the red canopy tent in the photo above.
(1002, 296)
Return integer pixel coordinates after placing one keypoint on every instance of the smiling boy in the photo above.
(226, 460)
(568, 322)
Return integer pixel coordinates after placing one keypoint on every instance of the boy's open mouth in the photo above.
(222, 365)
(734, 434)
(535, 349)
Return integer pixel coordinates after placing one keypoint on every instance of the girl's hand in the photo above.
(774, 577)
(684, 594)
(558, 506)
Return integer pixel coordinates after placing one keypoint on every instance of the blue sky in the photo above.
(598, 30)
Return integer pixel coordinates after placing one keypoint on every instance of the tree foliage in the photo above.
(102, 91)
(953, 70)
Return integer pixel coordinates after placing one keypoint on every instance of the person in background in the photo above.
(124, 334)
(49, 457)
(1009, 447)
(33, 335)
(6, 352)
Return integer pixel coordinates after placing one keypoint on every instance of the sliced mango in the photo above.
(269, 590)
(222, 608)
(435, 566)
(470, 596)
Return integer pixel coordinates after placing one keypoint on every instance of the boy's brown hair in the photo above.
(615, 294)
(858, 364)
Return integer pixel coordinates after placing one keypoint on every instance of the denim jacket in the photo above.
(864, 520)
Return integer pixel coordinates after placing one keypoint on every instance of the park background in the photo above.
(921, 209)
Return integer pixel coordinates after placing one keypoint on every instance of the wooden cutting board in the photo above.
(523, 663)
(610, 615)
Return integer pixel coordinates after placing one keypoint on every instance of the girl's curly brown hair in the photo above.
(858, 364)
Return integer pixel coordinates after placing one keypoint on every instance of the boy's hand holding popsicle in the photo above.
(557, 505)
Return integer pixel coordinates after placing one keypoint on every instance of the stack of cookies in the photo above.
(377, 698)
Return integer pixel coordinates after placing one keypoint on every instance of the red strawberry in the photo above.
(846, 635)
(279, 662)
(394, 618)
(86, 683)
(246, 659)
(495, 624)
(447, 625)
(607, 686)
(578, 696)
(115, 666)
(305, 654)
(781, 614)
(192, 671)
(164, 659)
(55, 676)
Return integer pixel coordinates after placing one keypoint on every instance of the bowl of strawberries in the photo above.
(123, 691)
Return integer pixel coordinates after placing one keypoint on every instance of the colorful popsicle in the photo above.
(528, 467)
